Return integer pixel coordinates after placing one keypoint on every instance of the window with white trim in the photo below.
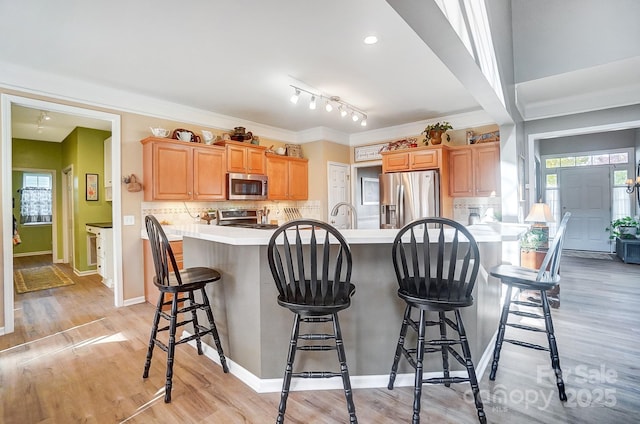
(36, 198)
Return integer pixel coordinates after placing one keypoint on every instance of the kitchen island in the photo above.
(255, 330)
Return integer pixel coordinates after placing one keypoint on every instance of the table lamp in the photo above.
(540, 215)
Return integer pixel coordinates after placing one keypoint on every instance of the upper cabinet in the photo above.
(244, 158)
(288, 178)
(475, 170)
(414, 159)
(176, 170)
(108, 183)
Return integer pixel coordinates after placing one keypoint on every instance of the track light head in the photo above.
(363, 123)
(354, 116)
(312, 103)
(294, 98)
(328, 106)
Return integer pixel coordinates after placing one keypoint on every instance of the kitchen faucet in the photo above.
(354, 214)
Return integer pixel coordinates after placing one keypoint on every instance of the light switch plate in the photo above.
(128, 220)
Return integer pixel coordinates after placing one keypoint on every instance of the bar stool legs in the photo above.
(551, 338)
(443, 345)
(199, 332)
(342, 358)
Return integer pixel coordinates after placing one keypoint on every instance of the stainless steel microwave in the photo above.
(246, 186)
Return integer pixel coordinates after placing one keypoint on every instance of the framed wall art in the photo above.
(92, 187)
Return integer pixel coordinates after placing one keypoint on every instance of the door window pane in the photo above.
(568, 161)
(552, 163)
(619, 158)
(620, 177)
(583, 160)
(552, 180)
(600, 159)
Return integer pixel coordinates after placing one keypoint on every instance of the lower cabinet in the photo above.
(150, 290)
(288, 178)
(104, 253)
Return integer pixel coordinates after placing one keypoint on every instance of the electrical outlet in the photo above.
(128, 220)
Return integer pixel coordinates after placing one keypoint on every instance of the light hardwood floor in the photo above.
(75, 358)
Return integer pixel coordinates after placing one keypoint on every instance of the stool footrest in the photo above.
(442, 380)
(524, 303)
(526, 314)
(526, 327)
(316, 319)
(316, 348)
(525, 344)
(161, 345)
(316, 336)
(316, 374)
(440, 342)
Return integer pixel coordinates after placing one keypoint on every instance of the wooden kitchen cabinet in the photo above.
(475, 170)
(150, 290)
(244, 158)
(288, 178)
(175, 170)
(418, 158)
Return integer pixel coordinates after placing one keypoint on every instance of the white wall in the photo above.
(557, 36)
(588, 142)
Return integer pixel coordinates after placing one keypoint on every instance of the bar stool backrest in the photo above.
(161, 252)
(444, 270)
(550, 265)
(310, 262)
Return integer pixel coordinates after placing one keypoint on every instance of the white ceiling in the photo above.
(237, 58)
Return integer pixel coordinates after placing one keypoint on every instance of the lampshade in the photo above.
(540, 212)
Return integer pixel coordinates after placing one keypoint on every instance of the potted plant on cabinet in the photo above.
(627, 227)
(434, 132)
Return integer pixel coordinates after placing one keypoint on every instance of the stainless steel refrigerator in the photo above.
(407, 196)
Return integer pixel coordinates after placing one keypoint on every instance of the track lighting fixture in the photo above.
(329, 103)
(295, 97)
(44, 116)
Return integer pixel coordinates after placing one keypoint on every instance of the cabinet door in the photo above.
(395, 162)
(487, 170)
(298, 180)
(208, 173)
(460, 173)
(172, 172)
(236, 159)
(255, 161)
(426, 159)
(277, 172)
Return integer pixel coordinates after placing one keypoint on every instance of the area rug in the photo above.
(588, 254)
(39, 278)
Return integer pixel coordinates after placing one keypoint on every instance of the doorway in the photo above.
(7, 101)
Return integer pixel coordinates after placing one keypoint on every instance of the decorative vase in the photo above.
(435, 137)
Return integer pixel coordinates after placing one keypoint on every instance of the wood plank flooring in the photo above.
(76, 358)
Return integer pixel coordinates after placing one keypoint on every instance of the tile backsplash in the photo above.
(488, 208)
(177, 213)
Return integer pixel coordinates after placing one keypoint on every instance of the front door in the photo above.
(586, 193)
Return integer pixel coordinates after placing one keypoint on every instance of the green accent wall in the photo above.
(37, 155)
(84, 149)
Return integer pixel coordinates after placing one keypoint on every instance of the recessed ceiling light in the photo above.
(370, 39)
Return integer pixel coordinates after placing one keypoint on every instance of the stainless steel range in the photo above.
(243, 218)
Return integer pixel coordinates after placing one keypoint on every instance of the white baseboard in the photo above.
(134, 301)
(44, 252)
(84, 273)
(1, 331)
(273, 385)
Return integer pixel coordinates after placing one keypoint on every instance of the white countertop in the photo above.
(483, 233)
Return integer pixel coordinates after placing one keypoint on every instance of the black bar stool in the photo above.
(431, 282)
(547, 277)
(311, 265)
(181, 286)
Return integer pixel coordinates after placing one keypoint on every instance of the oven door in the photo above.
(246, 187)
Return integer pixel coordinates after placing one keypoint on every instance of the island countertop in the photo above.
(259, 237)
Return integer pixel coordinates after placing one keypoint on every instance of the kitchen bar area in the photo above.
(253, 328)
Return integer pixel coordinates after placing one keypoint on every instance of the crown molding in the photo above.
(462, 120)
